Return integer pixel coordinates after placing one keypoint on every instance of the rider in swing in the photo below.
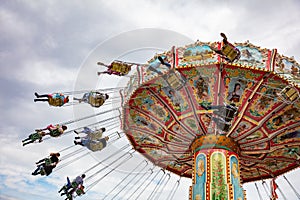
(56, 99)
(46, 165)
(116, 68)
(69, 188)
(228, 50)
(38, 136)
(95, 99)
(54, 131)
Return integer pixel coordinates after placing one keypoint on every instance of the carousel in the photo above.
(221, 114)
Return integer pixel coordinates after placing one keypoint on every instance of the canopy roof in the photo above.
(164, 112)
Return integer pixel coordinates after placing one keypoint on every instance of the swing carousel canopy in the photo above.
(254, 101)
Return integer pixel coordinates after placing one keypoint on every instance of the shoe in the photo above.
(34, 100)
(99, 73)
(223, 36)
(77, 137)
(75, 142)
(161, 60)
(76, 132)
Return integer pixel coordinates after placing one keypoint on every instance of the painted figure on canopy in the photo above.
(94, 98)
(228, 50)
(235, 95)
(55, 99)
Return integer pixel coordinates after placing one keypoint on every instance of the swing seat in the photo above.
(231, 52)
(96, 100)
(174, 80)
(54, 133)
(48, 162)
(74, 185)
(96, 135)
(122, 68)
(55, 102)
(290, 94)
(36, 136)
(79, 192)
(43, 172)
(95, 146)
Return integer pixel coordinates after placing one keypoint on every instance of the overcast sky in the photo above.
(49, 46)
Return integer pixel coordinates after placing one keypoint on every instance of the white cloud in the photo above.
(45, 73)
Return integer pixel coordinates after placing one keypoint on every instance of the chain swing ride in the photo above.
(219, 113)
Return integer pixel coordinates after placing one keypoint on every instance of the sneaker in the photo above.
(161, 60)
(223, 36)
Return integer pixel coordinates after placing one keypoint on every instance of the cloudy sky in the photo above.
(49, 46)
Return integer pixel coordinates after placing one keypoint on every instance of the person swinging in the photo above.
(54, 130)
(38, 136)
(51, 160)
(55, 99)
(93, 145)
(92, 134)
(95, 99)
(116, 68)
(69, 188)
(228, 50)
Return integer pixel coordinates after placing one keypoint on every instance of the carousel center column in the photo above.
(216, 173)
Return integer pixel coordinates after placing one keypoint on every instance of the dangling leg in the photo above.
(76, 143)
(44, 95)
(40, 161)
(224, 38)
(25, 139)
(25, 143)
(105, 72)
(161, 60)
(41, 96)
(62, 188)
(35, 100)
(77, 99)
(37, 171)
